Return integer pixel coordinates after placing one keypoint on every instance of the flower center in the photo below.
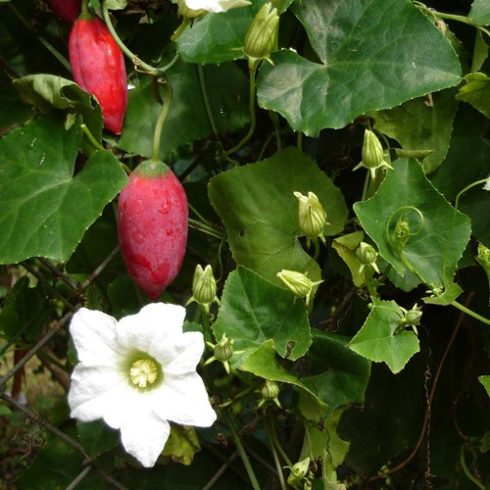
(144, 372)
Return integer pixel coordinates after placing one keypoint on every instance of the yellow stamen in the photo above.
(143, 372)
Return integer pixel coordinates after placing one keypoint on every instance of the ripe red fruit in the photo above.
(152, 226)
(68, 10)
(98, 67)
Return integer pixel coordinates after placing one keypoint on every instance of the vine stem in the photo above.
(157, 135)
(469, 312)
(91, 137)
(197, 225)
(242, 452)
(276, 460)
(253, 117)
(276, 442)
(467, 471)
(135, 59)
(205, 97)
(466, 189)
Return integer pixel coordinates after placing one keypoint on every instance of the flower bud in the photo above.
(299, 284)
(224, 349)
(367, 255)
(204, 287)
(269, 392)
(412, 317)
(261, 35)
(372, 154)
(299, 473)
(312, 217)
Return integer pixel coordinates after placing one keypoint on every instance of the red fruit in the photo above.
(152, 226)
(98, 67)
(68, 10)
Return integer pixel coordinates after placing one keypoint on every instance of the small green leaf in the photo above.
(445, 297)
(436, 233)
(422, 124)
(253, 311)
(182, 445)
(260, 213)
(45, 208)
(476, 92)
(374, 54)
(346, 246)
(96, 437)
(379, 341)
(50, 91)
(116, 4)
(480, 13)
(485, 381)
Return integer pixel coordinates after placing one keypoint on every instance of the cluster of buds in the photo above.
(372, 154)
(312, 217)
(367, 255)
(204, 287)
(222, 352)
(299, 284)
(261, 37)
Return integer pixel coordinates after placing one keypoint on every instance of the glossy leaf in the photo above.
(346, 246)
(480, 12)
(253, 311)
(476, 92)
(378, 339)
(46, 208)
(422, 124)
(187, 120)
(438, 233)
(374, 54)
(12, 111)
(260, 213)
(96, 437)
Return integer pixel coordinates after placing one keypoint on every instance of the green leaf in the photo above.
(96, 437)
(12, 111)
(445, 297)
(421, 125)
(253, 311)
(45, 208)
(379, 341)
(50, 91)
(116, 4)
(187, 120)
(480, 13)
(374, 54)
(476, 92)
(346, 246)
(438, 233)
(485, 381)
(340, 377)
(260, 213)
(182, 445)
(25, 311)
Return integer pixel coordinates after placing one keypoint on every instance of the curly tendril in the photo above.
(405, 222)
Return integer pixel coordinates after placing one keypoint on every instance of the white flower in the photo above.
(137, 374)
(216, 5)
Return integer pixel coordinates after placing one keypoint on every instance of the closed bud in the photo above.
(204, 287)
(412, 317)
(261, 35)
(312, 217)
(372, 154)
(224, 349)
(298, 478)
(367, 255)
(299, 284)
(270, 390)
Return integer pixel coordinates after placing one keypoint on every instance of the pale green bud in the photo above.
(299, 284)
(224, 349)
(204, 285)
(299, 473)
(367, 255)
(312, 217)
(372, 154)
(413, 316)
(270, 390)
(184, 11)
(261, 35)
(483, 257)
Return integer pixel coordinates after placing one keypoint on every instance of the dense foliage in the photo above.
(337, 172)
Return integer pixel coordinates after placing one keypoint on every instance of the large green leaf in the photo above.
(476, 92)
(374, 54)
(45, 207)
(260, 213)
(96, 437)
(379, 341)
(438, 233)
(485, 381)
(339, 376)
(11, 110)
(187, 120)
(480, 12)
(420, 125)
(253, 311)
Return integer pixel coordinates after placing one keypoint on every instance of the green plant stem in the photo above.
(276, 459)
(276, 442)
(253, 117)
(157, 136)
(467, 188)
(299, 141)
(41, 39)
(277, 129)
(199, 215)
(466, 470)
(242, 452)
(205, 98)
(197, 225)
(469, 312)
(91, 137)
(365, 187)
(135, 59)
(180, 30)
(316, 246)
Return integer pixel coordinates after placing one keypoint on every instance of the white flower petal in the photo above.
(178, 354)
(183, 399)
(96, 392)
(144, 436)
(137, 332)
(215, 5)
(94, 335)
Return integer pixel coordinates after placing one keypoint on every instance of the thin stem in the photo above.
(469, 312)
(180, 30)
(205, 97)
(91, 137)
(467, 471)
(276, 459)
(157, 136)
(316, 246)
(79, 478)
(277, 129)
(41, 39)
(199, 215)
(253, 117)
(277, 443)
(197, 225)
(467, 188)
(365, 187)
(299, 141)
(220, 472)
(243, 453)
